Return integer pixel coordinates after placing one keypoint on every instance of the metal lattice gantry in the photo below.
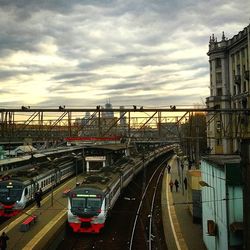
(147, 123)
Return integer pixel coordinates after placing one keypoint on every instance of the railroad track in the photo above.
(144, 234)
(135, 222)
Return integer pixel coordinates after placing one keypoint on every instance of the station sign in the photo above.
(95, 158)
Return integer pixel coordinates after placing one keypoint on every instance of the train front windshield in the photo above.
(10, 192)
(85, 203)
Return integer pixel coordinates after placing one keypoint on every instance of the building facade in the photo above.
(229, 61)
(222, 202)
(222, 178)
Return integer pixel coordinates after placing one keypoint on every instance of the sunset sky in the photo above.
(81, 53)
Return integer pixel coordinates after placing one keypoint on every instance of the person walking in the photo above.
(3, 241)
(171, 184)
(176, 183)
(40, 194)
(185, 183)
(38, 198)
(169, 168)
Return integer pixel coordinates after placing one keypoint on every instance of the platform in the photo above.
(177, 220)
(51, 216)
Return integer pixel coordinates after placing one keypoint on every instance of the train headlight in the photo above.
(73, 219)
(98, 220)
(18, 205)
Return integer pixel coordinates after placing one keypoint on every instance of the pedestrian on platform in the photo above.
(176, 183)
(38, 199)
(185, 183)
(3, 241)
(169, 168)
(40, 194)
(171, 184)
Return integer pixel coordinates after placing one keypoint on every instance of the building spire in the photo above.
(223, 36)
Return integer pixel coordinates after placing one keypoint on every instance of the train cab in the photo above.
(86, 210)
(11, 193)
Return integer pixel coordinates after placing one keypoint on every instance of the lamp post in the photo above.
(205, 184)
(182, 183)
(52, 184)
(144, 170)
(76, 157)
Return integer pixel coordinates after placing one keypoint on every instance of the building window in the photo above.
(218, 126)
(245, 86)
(234, 90)
(218, 63)
(218, 142)
(238, 56)
(219, 91)
(218, 77)
(238, 69)
(243, 54)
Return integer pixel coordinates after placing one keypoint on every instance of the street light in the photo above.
(205, 184)
(76, 157)
(182, 183)
(52, 184)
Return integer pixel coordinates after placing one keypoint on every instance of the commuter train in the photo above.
(91, 202)
(19, 187)
(36, 156)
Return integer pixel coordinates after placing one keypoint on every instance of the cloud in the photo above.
(81, 52)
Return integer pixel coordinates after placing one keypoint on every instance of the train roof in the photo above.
(14, 160)
(106, 177)
(29, 171)
(111, 147)
(38, 154)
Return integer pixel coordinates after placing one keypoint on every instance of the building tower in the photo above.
(108, 114)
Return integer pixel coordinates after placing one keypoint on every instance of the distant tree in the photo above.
(193, 135)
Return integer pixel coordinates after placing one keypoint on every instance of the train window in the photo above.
(76, 202)
(86, 203)
(25, 191)
(41, 184)
(93, 203)
(12, 194)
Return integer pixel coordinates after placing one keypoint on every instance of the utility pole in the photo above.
(144, 170)
(76, 156)
(53, 182)
(245, 163)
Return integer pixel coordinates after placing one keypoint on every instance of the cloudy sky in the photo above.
(80, 53)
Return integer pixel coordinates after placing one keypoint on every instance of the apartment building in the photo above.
(229, 89)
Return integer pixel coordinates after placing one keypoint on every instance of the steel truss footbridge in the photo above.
(164, 124)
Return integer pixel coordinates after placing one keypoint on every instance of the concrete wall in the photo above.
(235, 211)
(194, 194)
(225, 194)
(214, 197)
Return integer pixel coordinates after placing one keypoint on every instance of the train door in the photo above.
(33, 187)
(107, 205)
(57, 176)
